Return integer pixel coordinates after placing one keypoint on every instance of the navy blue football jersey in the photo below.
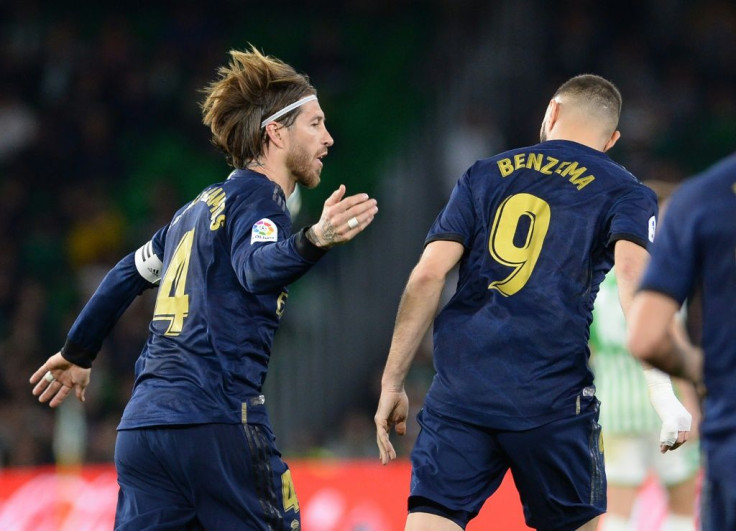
(227, 259)
(696, 248)
(538, 225)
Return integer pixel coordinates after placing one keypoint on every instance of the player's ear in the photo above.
(612, 141)
(274, 132)
(553, 113)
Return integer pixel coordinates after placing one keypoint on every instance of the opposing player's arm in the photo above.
(630, 262)
(417, 308)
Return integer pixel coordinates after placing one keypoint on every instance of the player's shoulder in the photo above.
(636, 187)
(723, 169)
(710, 194)
(482, 167)
(717, 181)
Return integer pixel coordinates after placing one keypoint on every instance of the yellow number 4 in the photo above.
(172, 304)
(502, 246)
(288, 493)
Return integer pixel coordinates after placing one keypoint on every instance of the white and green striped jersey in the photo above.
(619, 380)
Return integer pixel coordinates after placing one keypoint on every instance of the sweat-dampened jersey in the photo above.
(696, 247)
(227, 258)
(538, 225)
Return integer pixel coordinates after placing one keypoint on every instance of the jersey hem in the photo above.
(445, 237)
(629, 238)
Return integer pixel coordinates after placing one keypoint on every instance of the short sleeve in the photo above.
(456, 221)
(634, 217)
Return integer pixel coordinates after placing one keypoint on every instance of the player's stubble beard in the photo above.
(542, 133)
(300, 164)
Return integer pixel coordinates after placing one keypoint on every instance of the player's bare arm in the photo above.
(417, 308)
(630, 260)
(651, 339)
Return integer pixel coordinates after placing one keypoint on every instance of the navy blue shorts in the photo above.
(717, 505)
(558, 469)
(207, 476)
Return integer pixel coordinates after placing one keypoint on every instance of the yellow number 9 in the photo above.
(503, 247)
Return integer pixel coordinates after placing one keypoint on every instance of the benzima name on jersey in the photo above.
(546, 165)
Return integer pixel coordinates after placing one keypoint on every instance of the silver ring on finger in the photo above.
(353, 222)
(49, 377)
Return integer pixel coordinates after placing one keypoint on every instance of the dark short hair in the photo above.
(598, 93)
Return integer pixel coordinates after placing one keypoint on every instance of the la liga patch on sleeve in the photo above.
(264, 230)
(652, 228)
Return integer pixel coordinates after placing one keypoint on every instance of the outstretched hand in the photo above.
(393, 409)
(342, 218)
(55, 379)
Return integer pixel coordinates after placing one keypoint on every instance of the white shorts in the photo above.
(631, 458)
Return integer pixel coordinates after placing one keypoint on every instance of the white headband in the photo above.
(275, 116)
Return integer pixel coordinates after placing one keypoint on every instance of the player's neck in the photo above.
(579, 135)
(274, 172)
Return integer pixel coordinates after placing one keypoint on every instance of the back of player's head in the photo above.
(249, 89)
(594, 96)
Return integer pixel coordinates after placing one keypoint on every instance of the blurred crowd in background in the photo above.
(101, 141)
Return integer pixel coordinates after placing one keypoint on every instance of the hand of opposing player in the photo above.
(393, 409)
(66, 376)
(675, 428)
(342, 218)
